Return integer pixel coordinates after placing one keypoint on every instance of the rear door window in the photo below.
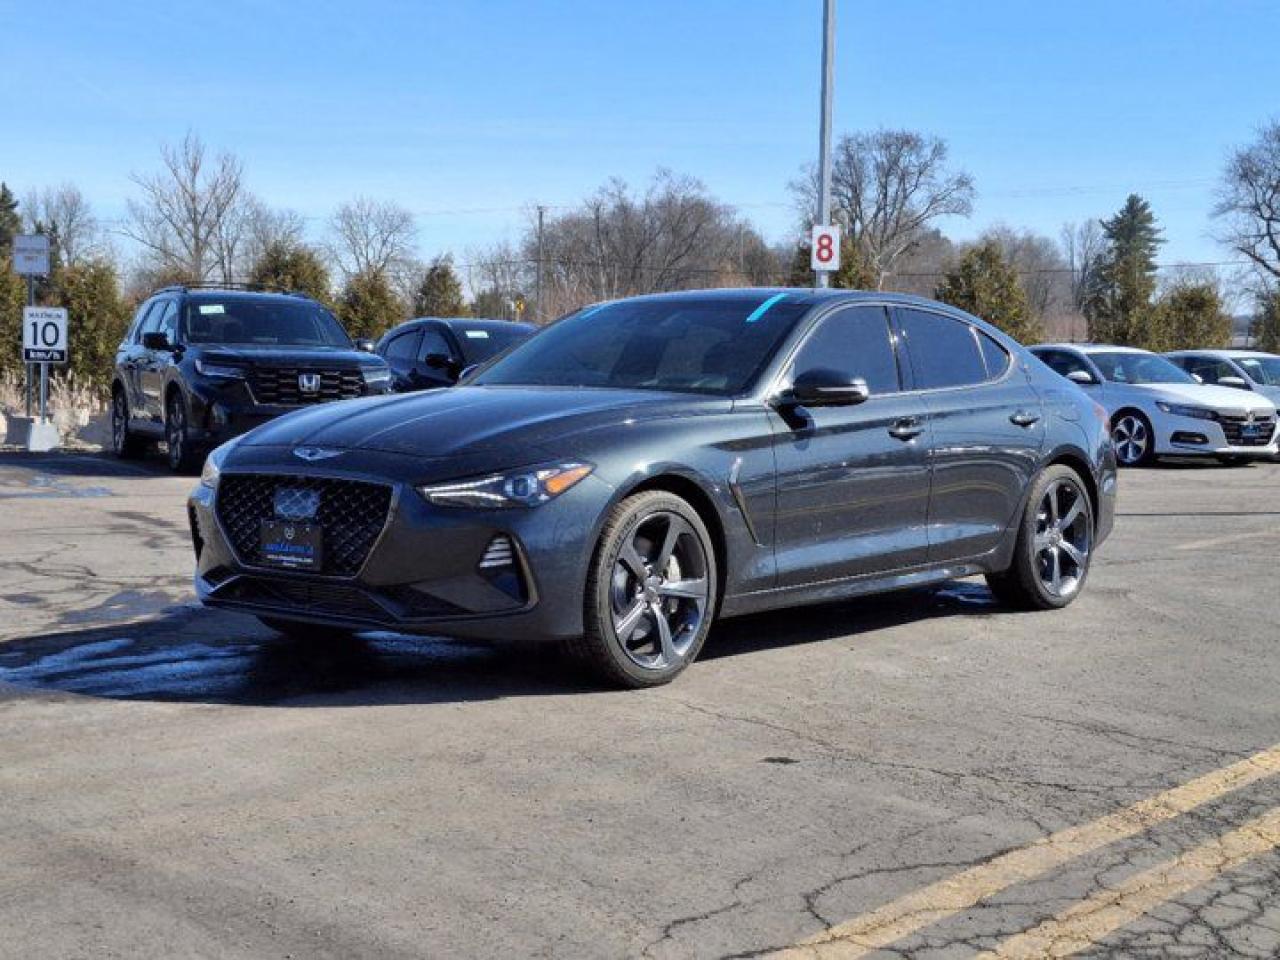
(944, 351)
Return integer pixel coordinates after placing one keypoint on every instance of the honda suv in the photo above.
(200, 366)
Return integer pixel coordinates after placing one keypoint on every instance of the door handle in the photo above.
(908, 428)
(1024, 418)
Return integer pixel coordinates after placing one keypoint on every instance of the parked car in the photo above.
(1158, 409)
(1241, 369)
(431, 352)
(199, 366)
(644, 466)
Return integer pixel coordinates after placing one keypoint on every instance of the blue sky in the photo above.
(467, 113)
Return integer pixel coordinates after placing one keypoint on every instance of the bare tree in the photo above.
(371, 237)
(1082, 246)
(1042, 270)
(1249, 202)
(266, 228)
(65, 214)
(887, 188)
(188, 218)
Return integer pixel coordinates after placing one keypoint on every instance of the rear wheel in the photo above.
(1133, 439)
(1054, 546)
(651, 592)
(124, 444)
(183, 456)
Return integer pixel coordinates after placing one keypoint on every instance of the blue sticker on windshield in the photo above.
(761, 310)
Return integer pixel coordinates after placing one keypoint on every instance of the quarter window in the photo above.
(996, 356)
(856, 342)
(944, 352)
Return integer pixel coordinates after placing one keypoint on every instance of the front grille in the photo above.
(308, 597)
(1233, 427)
(350, 514)
(282, 385)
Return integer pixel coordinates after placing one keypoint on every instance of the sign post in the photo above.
(44, 335)
(823, 267)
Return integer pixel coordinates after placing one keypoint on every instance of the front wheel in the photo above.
(183, 457)
(1134, 442)
(650, 593)
(1053, 549)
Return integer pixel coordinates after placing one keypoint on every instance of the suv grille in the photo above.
(350, 514)
(1233, 427)
(283, 385)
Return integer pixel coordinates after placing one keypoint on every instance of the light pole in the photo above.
(824, 128)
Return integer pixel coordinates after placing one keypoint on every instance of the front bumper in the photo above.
(1191, 436)
(223, 410)
(497, 575)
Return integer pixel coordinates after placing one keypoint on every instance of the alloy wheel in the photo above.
(1063, 538)
(176, 433)
(119, 422)
(1131, 439)
(659, 591)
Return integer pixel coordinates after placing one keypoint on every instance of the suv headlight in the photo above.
(519, 488)
(374, 376)
(213, 464)
(207, 369)
(1182, 410)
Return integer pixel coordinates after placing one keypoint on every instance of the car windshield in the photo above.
(1263, 370)
(482, 343)
(687, 344)
(265, 321)
(1139, 368)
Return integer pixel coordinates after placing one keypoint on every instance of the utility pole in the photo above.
(537, 302)
(824, 130)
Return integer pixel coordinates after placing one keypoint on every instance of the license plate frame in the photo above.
(291, 545)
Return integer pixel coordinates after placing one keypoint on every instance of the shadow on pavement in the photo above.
(194, 655)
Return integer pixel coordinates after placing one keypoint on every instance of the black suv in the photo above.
(200, 366)
(432, 352)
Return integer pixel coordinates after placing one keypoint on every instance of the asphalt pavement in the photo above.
(923, 775)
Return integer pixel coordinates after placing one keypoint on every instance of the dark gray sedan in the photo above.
(642, 467)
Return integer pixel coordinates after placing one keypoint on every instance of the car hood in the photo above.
(293, 356)
(1205, 395)
(475, 419)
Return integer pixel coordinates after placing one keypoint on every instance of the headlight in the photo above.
(519, 488)
(375, 375)
(213, 464)
(206, 369)
(1181, 410)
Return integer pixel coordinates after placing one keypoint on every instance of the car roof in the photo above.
(806, 296)
(219, 294)
(1088, 348)
(471, 323)
(1223, 352)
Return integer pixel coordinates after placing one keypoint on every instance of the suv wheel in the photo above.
(125, 445)
(651, 592)
(1054, 547)
(183, 457)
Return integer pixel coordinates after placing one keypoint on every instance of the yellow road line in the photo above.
(938, 901)
(1083, 925)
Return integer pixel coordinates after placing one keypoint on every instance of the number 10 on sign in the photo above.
(825, 249)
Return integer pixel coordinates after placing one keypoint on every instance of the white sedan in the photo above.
(1158, 409)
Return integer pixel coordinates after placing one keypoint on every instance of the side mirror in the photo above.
(366, 345)
(1238, 382)
(827, 388)
(438, 361)
(1082, 377)
(1197, 378)
(156, 341)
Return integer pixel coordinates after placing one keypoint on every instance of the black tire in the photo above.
(625, 643)
(298, 630)
(124, 444)
(1028, 583)
(184, 457)
(1233, 460)
(1131, 434)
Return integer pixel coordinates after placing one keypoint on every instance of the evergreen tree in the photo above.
(855, 271)
(97, 316)
(13, 296)
(368, 307)
(10, 221)
(1265, 329)
(288, 266)
(1188, 316)
(1118, 305)
(440, 292)
(986, 285)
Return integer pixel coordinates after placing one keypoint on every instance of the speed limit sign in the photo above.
(44, 334)
(824, 249)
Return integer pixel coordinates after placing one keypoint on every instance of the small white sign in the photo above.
(44, 334)
(31, 255)
(824, 246)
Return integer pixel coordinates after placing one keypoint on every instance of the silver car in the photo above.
(1158, 409)
(1241, 369)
